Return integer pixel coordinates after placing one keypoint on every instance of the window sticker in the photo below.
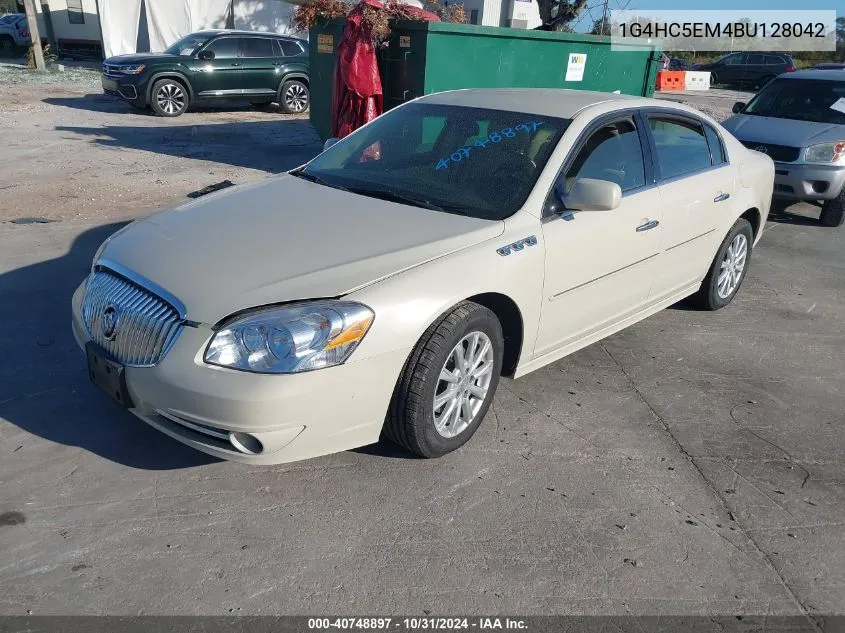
(491, 140)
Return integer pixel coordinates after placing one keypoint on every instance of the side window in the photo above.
(681, 146)
(755, 59)
(774, 60)
(717, 150)
(735, 59)
(289, 49)
(613, 152)
(257, 47)
(224, 48)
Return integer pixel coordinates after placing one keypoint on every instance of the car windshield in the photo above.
(6, 19)
(187, 46)
(802, 100)
(473, 161)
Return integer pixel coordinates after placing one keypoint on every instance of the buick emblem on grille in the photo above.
(109, 322)
(762, 149)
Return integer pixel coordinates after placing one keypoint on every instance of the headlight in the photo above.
(826, 153)
(132, 69)
(290, 339)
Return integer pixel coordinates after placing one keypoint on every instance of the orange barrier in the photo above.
(669, 80)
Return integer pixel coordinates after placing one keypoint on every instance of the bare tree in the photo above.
(557, 14)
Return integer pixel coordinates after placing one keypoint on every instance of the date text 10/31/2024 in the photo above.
(494, 137)
(417, 623)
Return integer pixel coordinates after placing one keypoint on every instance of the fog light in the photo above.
(246, 443)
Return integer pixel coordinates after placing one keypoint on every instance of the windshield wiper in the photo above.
(299, 173)
(392, 196)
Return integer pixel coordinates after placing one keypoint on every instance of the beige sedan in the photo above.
(384, 287)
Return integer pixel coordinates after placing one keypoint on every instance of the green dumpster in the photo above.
(427, 57)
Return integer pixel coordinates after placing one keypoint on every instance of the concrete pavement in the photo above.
(692, 464)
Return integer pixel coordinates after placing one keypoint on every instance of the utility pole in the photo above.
(34, 35)
(604, 18)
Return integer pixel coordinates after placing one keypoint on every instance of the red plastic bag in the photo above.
(357, 96)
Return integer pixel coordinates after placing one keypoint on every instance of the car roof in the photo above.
(556, 102)
(211, 32)
(836, 74)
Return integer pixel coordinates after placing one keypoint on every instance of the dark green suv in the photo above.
(214, 66)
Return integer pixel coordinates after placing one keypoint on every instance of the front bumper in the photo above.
(798, 181)
(128, 87)
(292, 417)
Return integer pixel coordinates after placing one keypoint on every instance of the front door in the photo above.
(733, 70)
(223, 75)
(695, 183)
(600, 264)
(261, 69)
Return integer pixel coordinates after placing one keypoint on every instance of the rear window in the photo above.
(257, 47)
(289, 49)
(681, 146)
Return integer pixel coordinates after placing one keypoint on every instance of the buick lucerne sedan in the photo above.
(384, 288)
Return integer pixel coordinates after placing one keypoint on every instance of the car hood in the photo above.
(140, 58)
(751, 128)
(284, 239)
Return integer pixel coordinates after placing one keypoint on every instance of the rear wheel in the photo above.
(169, 98)
(833, 211)
(294, 97)
(7, 44)
(728, 268)
(447, 384)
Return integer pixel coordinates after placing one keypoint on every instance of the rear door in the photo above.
(755, 69)
(221, 76)
(696, 183)
(261, 67)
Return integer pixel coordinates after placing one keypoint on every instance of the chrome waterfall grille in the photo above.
(134, 325)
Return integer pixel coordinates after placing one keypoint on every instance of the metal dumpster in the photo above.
(426, 57)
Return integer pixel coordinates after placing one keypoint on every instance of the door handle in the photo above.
(721, 197)
(647, 226)
(236, 64)
(277, 63)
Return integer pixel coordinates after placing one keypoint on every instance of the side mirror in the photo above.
(589, 194)
(206, 55)
(739, 106)
(329, 142)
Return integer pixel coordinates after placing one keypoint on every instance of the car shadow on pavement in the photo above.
(795, 214)
(94, 103)
(44, 385)
(272, 146)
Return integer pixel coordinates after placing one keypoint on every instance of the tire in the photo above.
(713, 294)
(714, 79)
(169, 98)
(414, 421)
(294, 97)
(7, 44)
(833, 211)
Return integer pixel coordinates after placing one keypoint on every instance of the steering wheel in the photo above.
(517, 165)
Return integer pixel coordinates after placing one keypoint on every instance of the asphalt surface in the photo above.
(692, 464)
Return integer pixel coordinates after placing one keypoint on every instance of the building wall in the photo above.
(63, 28)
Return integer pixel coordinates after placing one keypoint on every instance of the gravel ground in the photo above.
(70, 151)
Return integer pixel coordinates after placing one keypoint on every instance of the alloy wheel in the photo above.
(170, 98)
(733, 265)
(296, 98)
(463, 384)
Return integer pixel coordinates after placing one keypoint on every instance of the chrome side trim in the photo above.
(692, 239)
(613, 272)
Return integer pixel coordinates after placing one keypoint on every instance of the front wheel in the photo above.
(294, 97)
(728, 268)
(448, 382)
(833, 211)
(169, 98)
